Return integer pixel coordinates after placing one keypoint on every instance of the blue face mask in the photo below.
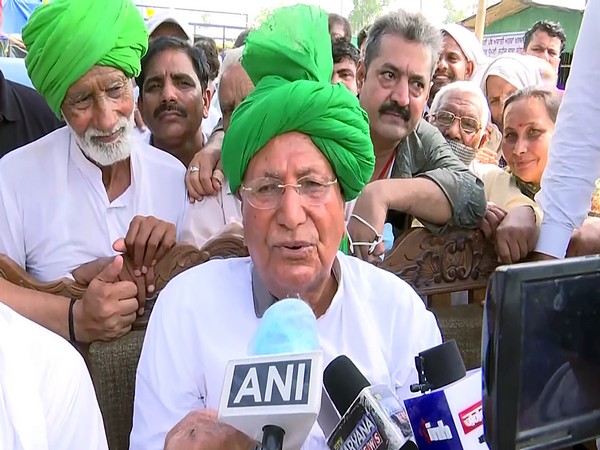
(388, 236)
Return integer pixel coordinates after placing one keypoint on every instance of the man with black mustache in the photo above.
(416, 172)
(174, 96)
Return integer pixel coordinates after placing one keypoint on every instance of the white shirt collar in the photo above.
(263, 299)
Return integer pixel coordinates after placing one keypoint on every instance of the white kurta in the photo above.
(574, 154)
(54, 210)
(47, 400)
(206, 317)
(209, 217)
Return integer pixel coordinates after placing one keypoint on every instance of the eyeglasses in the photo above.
(266, 192)
(467, 124)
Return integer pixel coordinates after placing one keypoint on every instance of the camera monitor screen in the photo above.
(545, 363)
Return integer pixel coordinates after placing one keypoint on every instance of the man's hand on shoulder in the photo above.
(108, 307)
(204, 176)
(201, 430)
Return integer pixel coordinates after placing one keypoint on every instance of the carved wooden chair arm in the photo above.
(179, 258)
(456, 260)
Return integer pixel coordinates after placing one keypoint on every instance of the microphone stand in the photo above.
(272, 438)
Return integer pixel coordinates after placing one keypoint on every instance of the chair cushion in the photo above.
(113, 366)
(464, 325)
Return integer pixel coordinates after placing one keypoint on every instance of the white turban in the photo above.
(467, 41)
(470, 46)
(515, 69)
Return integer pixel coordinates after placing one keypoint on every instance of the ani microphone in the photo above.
(274, 396)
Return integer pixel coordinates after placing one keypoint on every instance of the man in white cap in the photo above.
(461, 58)
(167, 23)
(170, 23)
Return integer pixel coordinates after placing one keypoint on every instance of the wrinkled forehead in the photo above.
(345, 63)
(292, 154)
(98, 78)
(450, 45)
(171, 61)
(463, 103)
(541, 37)
(407, 56)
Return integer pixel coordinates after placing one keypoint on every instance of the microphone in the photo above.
(451, 415)
(372, 416)
(438, 367)
(274, 396)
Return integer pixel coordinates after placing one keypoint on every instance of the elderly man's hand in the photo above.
(85, 273)
(204, 176)
(366, 223)
(494, 215)
(201, 430)
(487, 156)
(586, 239)
(517, 235)
(108, 307)
(147, 241)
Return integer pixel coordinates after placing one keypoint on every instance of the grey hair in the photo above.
(552, 99)
(413, 27)
(468, 87)
(232, 57)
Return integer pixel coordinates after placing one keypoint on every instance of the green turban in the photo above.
(66, 38)
(289, 61)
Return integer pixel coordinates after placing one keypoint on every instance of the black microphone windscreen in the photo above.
(409, 445)
(343, 382)
(443, 364)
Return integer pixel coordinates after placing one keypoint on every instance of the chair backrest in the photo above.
(457, 260)
(437, 265)
(181, 257)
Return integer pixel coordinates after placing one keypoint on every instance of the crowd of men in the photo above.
(140, 137)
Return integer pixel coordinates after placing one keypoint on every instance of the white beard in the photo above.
(106, 154)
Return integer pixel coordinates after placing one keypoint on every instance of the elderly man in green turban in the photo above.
(79, 196)
(297, 149)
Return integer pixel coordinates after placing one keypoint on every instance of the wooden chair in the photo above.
(434, 265)
(113, 364)
(439, 265)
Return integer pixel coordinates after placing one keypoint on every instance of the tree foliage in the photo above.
(456, 14)
(262, 16)
(364, 12)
